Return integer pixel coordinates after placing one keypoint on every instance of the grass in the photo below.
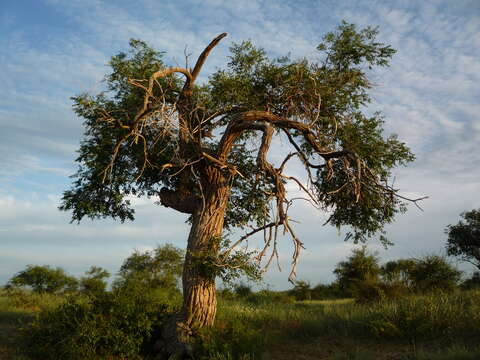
(408, 328)
(16, 310)
(436, 327)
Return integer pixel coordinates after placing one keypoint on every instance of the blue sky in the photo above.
(53, 49)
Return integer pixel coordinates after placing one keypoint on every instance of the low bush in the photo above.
(113, 325)
(270, 297)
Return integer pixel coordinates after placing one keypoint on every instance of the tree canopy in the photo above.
(361, 267)
(44, 279)
(94, 282)
(161, 267)
(464, 238)
(153, 133)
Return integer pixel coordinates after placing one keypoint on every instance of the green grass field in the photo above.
(440, 327)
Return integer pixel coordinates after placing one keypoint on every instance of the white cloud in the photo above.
(429, 96)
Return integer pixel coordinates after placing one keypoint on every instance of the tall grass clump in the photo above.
(433, 316)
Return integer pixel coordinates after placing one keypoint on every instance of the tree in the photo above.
(44, 279)
(203, 150)
(433, 273)
(464, 238)
(398, 272)
(358, 273)
(302, 290)
(161, 267)
(94, 281)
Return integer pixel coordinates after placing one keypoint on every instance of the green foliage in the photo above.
(269, 297)
(249, 329)
(464, 238)
(217, 261)
(429, 317)
(94, 194)
(302, 290)
(117, 324)
(230, 341)
(160, 268)
(43, 279)
(472, 283)
(93, 283)
(434, 273)
(398, 272)
(329, 95)
(327, 291)
(359, 275)
(25, 300)
(243, 290)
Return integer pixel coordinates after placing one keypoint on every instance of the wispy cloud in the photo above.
(429, 97)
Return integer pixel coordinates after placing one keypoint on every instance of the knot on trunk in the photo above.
(185, 203)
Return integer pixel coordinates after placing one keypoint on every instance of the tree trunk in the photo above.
(199, 293)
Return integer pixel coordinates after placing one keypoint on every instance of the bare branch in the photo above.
(203, 56)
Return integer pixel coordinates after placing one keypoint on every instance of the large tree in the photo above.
(464, 238)
(202, 148)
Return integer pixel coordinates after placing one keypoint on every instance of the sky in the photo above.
(51, 50)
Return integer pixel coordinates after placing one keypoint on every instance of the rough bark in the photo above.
(199, 294)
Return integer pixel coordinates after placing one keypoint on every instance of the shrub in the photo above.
(434, 273)
(93, 283)
(242, 290)
(368, 291)
(301, 290)
(270, 297)
(359, 276)
(117, 324)
(226, 294)
(327, 292)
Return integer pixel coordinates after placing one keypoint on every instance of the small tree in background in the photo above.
(359, 275)
(44, 279)
(159, 268)
(434, 273)
(464, 238)
(398, 271)
(242, 290)
(302, 290)
(94, 282)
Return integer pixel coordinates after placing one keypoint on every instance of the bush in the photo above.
(359, 276)
(270, 297)
(434, 273)
(242, 290)
(368, 291)
(117, 324)
(327, 292)
(93, 283)
(301, 290)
